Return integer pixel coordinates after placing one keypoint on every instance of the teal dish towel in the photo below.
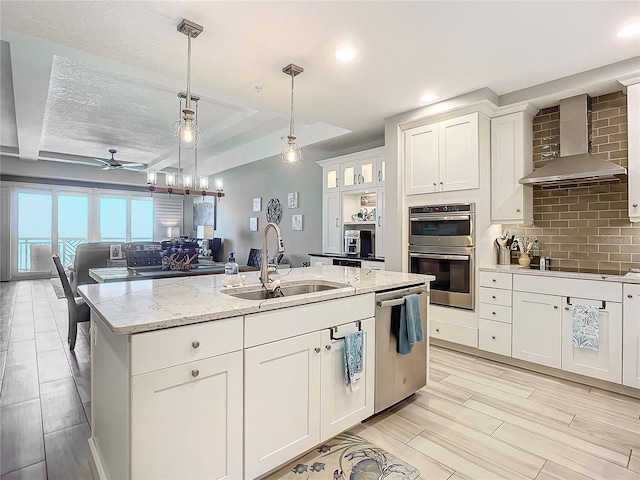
(406, 324)
(353, 354)
(585, 326)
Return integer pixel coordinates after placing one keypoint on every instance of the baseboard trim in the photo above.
(554, 372)
(97, 470)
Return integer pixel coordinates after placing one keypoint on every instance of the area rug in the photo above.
(347, 457)
(57, 287)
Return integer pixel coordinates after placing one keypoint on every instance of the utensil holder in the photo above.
(524, 260)
(504, 257)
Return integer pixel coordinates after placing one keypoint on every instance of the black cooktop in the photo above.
(595, 271)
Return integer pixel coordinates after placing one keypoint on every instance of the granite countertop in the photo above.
(143, 305)
(558, 273)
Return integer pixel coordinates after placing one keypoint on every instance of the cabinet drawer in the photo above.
(495, 280)
(494, 337)
(452, 332)
(173, 346)
(495, 296)
(499, 313)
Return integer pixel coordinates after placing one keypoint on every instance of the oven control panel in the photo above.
(453, 208)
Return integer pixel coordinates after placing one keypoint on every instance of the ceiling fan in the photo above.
(113, 164)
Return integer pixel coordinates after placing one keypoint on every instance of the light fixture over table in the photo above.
(291, 154)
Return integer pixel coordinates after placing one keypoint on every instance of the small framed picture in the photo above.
(257, 204)
(115, 252)
(292, 200)
(253, 224)
(296, 223)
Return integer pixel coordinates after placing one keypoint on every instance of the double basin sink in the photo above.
(286, 290)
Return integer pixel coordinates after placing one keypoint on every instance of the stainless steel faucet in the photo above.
(264, 268)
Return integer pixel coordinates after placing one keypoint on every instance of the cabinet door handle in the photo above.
(629, 296)
(380, 221)
(493, 280)
(556, 307)
(379, 176)
(336, 181)
(195, 344)
(493, 337)
(355, 180)
(328, 347)
(437, 330)
(317, 349)
(195, 372)
(518, 210)
(635, 205)
(337, 226)
(493, 296)
(493, 313)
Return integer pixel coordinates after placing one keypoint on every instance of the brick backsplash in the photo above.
(586, 225)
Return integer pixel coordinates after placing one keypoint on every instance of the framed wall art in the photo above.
(292, 200)
(257, 204)
(253, 224)
(296, 223)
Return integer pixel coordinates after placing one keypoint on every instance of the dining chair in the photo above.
(78, 309)
(255, 258)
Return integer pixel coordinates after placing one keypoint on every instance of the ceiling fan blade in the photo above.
(133, 164)
(104, 162)
(106, 168)
(131, 169)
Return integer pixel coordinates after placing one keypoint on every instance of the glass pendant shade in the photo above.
(218, 184)
(291, 154)
(170, 179)
(204, 183)
(187, 181)
(152, 177)
(187, 131)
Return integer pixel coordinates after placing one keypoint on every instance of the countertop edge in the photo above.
(517, 269)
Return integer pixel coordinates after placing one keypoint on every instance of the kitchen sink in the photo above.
(260, 293)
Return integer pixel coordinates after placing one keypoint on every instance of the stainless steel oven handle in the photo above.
(440, 217)
(437, 256)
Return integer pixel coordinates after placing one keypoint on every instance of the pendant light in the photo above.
(291, 154)
(187, 131)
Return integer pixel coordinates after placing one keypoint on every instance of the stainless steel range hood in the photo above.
(576, 164)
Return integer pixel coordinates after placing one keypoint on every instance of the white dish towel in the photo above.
(586, 330)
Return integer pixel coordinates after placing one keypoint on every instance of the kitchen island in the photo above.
(189, 381)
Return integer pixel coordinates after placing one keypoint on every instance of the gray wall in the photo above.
(268, 179)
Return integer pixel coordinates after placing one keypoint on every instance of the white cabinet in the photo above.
(443, 156)
(187, 420)
(536, 328)
(380, 214)
(372, 265)
(359, 174)
(294, 390)
(631, 336)
(168, 403)
(331, 181)
(511, 159)
(331, 224)
(604, 363)
(633, 168)
(282, 401)
(494, 326)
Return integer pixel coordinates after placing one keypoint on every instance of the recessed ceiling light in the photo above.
(630, 30)
(428, 98)
(345, 54)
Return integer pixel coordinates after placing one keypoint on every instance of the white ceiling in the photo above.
(86, 76)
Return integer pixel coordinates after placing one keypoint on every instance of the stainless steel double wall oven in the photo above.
(442, 243)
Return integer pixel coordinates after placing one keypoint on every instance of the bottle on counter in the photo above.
(535, 253)
(231, 277)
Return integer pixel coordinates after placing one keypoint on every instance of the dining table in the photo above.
(125, 274)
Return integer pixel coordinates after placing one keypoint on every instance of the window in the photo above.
(113, 220)
(34, 232)
(73, 225)
(55, 220)
(142, 220)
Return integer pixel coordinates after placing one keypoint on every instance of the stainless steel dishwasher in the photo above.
(399, 376)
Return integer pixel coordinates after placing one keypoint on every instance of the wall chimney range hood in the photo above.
(576, 164)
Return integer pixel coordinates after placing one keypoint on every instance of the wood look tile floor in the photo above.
(476, 419)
